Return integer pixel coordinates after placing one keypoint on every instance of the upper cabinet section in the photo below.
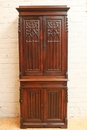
(43, 40)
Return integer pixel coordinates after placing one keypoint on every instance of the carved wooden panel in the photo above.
(32, 46)
(54, 100)
(31, 105)
(54, 44)
(32, 41)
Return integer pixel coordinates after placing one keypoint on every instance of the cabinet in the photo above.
(43, 66)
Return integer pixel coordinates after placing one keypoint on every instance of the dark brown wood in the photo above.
(54, 46)
(31, 46)
(42, 8)
(54, 104)
(31, 105)
(43, 66)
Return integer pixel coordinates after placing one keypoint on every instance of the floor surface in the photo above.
(13, 124)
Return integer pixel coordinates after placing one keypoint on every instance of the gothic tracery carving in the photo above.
(32, 30)
(53, 31)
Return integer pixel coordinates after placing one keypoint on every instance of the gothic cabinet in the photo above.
(43, 66)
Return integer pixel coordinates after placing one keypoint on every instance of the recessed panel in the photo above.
(32, 46)
(54, 44)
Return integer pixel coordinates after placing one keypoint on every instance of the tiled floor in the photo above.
(13, 124)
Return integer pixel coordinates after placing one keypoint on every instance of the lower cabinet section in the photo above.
(43, 107)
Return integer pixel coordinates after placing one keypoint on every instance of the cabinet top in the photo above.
(43, 8)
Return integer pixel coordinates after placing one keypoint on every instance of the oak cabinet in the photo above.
(43, 66)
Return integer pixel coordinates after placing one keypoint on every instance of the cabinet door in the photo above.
(54, 45)
(31, 46)
(32, 101)
(54, 105)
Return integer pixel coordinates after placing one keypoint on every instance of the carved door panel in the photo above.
(54, 46)
(31, 106)
(55, 105)
(31, 47)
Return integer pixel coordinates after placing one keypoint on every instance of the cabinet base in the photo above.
(44, 125)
